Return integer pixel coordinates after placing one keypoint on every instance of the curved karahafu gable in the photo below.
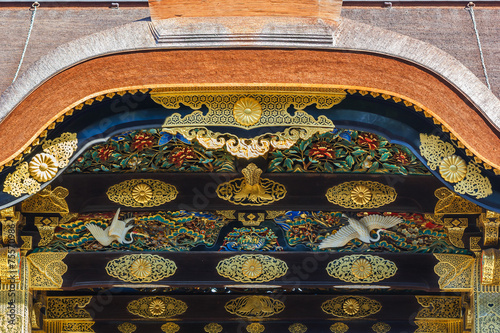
(302, 132)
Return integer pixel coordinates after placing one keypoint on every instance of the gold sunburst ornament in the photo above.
(453, 168)
(247, 111)
(361, 268)
(43, 167)
(252, 268)
(361, 195)
(141, 268)
(351, 306)
(157, 307)
(142, 193)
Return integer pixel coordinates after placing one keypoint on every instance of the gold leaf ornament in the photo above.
(142, 193)
(339, 328)
(170, 328)
(254, 306)
(252, 268)
(213, 328)
(381, 327)
(361, 268)
(140, 268)
(361, 194)
(255, 328)
(351, 306)
(127, 328)
(297, 328)
(157, 307)
(247, 111)
(43, 167)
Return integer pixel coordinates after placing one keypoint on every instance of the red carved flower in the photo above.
(142, 141)
(368, 139)
(402, 158)
(180, 154)
(322, 150)
(105, 152)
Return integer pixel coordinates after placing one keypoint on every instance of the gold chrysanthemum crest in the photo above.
(351, 306)
(247, 111)
(43, 167)
(141, 268)
(453, 169)
(142, 193)
(361, 268)
(361, 194)
(252, 268)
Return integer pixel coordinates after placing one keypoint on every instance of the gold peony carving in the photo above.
(141, 268)
(453, 169)
(157, 307)
(361, 268)
(43, 167)
(351, 306)
(142, 193)
(247, 111)
(361, 195)
(252, 268)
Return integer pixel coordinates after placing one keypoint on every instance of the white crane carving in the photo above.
(117, 231)
(360, 229)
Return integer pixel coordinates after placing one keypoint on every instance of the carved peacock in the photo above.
(360, 229)
(117, 231)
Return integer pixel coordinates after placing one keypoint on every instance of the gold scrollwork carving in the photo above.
(466, 177)
(250, 219)
(141, 268)
(127, 328)
(439, 307)
(10, 220)
(450, 203)
(157, 307)
(431, 326)
(490, 224)
(9, 265)
(490, 267)
(170, 328)
(46, 227)
(248, 108)
(297, 328)
(361, 194)
(68, 307)
(213, 328)
(42, 167)
(47, 201)
(228, 214)
(254, 306)
(142, 193)
(252, 268)
(81, 327)
(339, 328)
(454, 271)
(251, 190)
(46, 270)
(381, 327)
(255, 328)
(351, 306)
(361, 268)
(456, 228)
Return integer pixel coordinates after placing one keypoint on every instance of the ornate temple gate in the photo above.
(312, 204)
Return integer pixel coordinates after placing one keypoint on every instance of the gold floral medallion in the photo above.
(361, 268)
(43, 167)
(339, 328)
(140, 268)
(247, 111)
(157, 307)
(453, 168)
(213, 328)
(170, 328)
(127, 328)
(297, 328)
(252, 268)
(381, 327)
(351, 306)
(142, 193)
(255, 328)
(361, 195)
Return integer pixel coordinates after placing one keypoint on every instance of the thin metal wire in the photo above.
(470, 8)
(33, 13)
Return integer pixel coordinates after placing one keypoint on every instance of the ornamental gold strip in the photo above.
(490, 268)
(351, 306)
(361, 194)
(142, 193)
(47, 270)
(453, 169)
(71, 307)
(439, 307)
(361, 268)
(251, 190)
(454, 271)
(141, 268)
(252, 268)
(157, 307)
(254, 306)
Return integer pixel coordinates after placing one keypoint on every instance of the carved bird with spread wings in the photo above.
(360, 229)
(117, 230)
